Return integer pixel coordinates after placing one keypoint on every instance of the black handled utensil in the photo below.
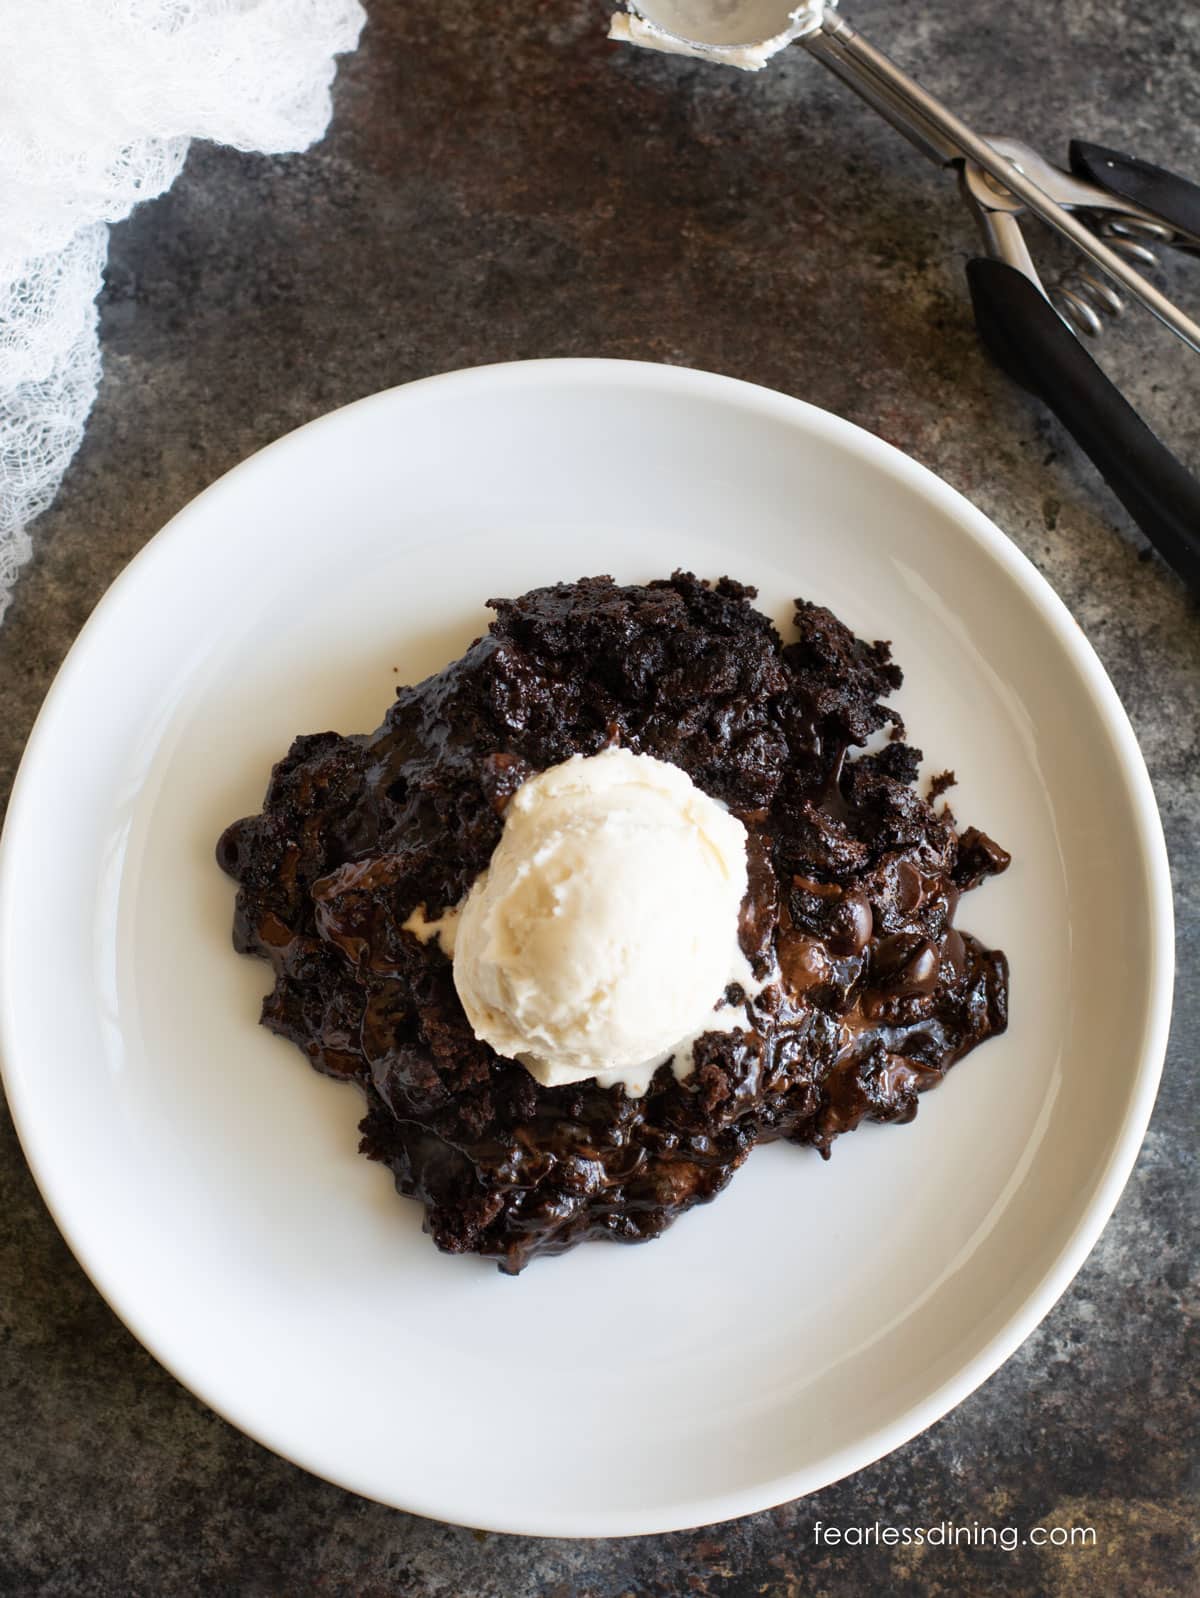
(1113, 208)
(1034, 333)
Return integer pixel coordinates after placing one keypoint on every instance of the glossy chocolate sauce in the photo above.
(872, 992)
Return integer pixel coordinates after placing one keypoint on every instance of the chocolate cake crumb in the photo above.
(871, 992)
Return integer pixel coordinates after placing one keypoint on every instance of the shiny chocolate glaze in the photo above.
(872, 992)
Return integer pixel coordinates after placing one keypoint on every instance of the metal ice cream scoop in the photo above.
(1111, 207)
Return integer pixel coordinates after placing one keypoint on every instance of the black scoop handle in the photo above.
(1175, 200)
(1030, 341)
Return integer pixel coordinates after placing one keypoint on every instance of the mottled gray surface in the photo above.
(542, 193)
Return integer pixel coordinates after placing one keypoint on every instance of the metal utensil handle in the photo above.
(938, 132)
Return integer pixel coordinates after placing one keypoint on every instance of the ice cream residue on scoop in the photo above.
(732, 33)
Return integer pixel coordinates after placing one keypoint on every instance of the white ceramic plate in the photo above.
(816, 1315)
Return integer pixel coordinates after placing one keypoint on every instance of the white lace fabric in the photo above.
(99, 100)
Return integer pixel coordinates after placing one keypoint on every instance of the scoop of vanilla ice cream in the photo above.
(604, 932)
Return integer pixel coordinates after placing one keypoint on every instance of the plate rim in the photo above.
(662, 380)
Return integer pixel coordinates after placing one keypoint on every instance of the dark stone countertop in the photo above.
(488, 195)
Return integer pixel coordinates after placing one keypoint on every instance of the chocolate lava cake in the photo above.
(854, 879)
